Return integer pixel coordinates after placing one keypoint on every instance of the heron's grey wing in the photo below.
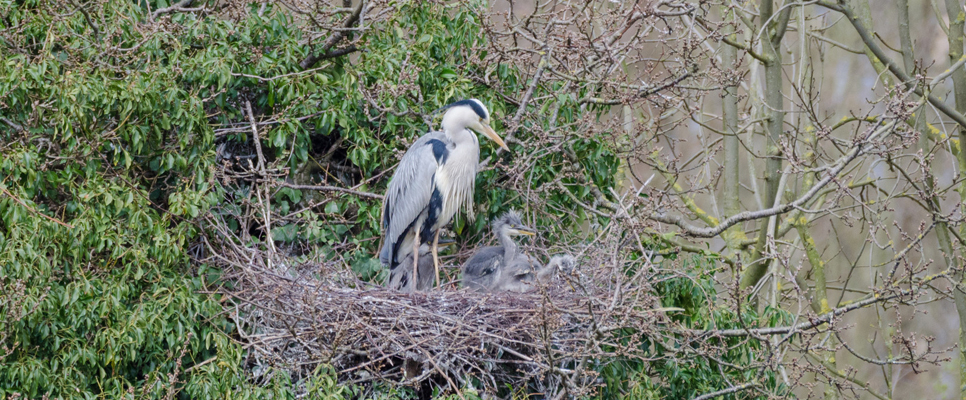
(485, 258)
(483, 269)
(409, 193)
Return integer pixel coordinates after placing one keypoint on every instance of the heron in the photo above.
(434, 179)
(505, 268)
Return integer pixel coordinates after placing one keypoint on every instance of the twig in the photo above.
(822, 319)
(261, 79)
(336, 36)
(332, 189)
(31, 209)
(641, 95)
(87, 18)
(255, 138)
(181, 6)
(909, 83)
(723, 392)
(839, 165)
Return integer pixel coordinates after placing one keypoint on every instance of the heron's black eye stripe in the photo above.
(472, 104)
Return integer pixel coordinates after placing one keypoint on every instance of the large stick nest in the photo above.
(555, 336)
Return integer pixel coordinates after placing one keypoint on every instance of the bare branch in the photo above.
(907, 81)
(833, 171)
(325, 188)
(334, 39)
(181, 6)
(723, 392)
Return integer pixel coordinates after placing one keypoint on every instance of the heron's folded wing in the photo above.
(482, 259)
(409, 192)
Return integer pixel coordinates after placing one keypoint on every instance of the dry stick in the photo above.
(261, 169)
(325, 188)
(452, 384)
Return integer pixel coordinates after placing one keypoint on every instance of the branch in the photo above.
(869, 41)
(263, 79)
(515, 122)
(12, 124)
(256, 139)
(31, 209)
(181, 6)
(87, 18)
(811, 323)
(723, 392)
(642, 95)
(333, 189)
(331, 41)
(339, 52)
(744, 48)
(695, 231)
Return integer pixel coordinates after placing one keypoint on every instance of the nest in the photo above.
(550, 340)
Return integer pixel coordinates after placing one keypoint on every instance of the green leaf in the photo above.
(287, 233)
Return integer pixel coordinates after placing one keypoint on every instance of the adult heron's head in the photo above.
(470, 114)
(510, 224)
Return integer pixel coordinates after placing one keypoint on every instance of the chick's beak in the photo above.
(490, 133)
(526, 231)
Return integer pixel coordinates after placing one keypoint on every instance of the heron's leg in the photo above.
(415, 259)
(435, 257)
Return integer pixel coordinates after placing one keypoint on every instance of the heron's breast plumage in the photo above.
(456, 180)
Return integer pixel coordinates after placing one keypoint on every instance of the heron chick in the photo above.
(505, 268)
(434, 179)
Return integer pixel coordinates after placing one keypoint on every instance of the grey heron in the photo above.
(505, 268)
(434, 179)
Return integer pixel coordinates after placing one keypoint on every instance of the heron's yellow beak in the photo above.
(526, 231)
(490, 133)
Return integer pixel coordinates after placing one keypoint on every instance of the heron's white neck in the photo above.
(455, 123)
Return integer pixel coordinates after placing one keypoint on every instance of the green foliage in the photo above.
(108, 163)
(672, 371)
(117, 145)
